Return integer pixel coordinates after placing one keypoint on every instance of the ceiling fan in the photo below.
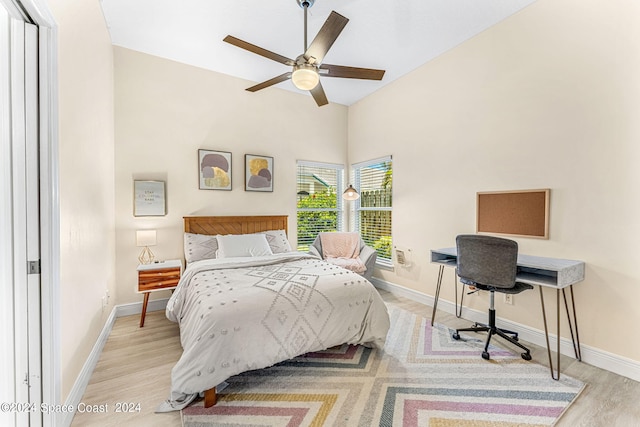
(308, 67)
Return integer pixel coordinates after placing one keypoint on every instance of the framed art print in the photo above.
(149, 198)
(214, 170)
(258, 173)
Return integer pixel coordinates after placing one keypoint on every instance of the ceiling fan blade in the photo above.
(270, 82)
(258, 50)
(319, 95)
(325, 38)
(351, 72)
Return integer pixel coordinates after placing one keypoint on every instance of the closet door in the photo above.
(7, 344)
(20, 346)
(31, 231)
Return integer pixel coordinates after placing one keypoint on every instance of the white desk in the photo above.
(541, 271)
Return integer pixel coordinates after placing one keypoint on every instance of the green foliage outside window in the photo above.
(311, 222)
(383, 247)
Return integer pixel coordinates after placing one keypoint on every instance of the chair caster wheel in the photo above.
(455, 336)
(526, 356)
(485, 355)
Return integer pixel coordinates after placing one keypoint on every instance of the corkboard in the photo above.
(523, 213)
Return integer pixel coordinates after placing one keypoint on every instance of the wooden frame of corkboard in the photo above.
(520, 213)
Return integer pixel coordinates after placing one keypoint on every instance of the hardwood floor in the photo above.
(135, 367)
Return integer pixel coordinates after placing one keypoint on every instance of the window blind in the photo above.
(373, 210)
(319, 205)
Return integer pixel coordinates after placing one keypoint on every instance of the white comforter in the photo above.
(239, 314)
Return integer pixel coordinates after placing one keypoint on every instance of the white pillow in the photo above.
(243, 245)
(199, 246)
(277, 240)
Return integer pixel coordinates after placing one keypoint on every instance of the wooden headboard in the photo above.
(212, 225)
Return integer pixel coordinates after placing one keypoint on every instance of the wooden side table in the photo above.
(157, 276)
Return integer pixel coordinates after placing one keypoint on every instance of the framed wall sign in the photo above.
(258, 173)
(214, 170)
(149, 198)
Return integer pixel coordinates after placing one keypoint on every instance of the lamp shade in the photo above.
(305, 77)
(350, 193)
(145, 237)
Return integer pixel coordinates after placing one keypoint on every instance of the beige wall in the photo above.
(549, 98)
(87, 250)
(166, 111)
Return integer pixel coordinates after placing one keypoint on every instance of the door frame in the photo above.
(49, 208)
(38, 12)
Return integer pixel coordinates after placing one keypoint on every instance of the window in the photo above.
(319, 205)
(372, 211)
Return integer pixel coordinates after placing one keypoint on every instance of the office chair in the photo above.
(490, 264)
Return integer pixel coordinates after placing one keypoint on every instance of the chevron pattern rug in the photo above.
(422, 378)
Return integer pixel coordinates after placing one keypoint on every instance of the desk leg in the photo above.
(546, 332)
(576, 340)
(144, 308)
(437, 296)
(458, 308)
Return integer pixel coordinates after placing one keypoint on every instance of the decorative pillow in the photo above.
(199, 246)
(243, 245)
(277, 240)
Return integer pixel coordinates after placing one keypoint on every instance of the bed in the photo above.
(242, 305)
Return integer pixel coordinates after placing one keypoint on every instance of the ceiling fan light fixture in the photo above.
(305, 76)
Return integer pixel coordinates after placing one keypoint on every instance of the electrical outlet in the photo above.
(508, 299)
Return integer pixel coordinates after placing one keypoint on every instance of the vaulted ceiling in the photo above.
(396, 36)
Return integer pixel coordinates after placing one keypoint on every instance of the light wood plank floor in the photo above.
(135, 368)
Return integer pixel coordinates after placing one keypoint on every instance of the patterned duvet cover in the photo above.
(240, 314)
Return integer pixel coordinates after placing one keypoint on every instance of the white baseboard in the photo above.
(136, 307)
(594, 356)
(80, 385)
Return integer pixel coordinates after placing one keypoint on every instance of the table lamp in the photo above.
(145, 238)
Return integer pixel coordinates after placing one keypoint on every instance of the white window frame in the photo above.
(340, 170)
(357, 208)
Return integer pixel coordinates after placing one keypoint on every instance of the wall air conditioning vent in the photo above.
(402, 256)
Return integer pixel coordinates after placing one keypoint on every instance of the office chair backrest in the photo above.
(487, 260)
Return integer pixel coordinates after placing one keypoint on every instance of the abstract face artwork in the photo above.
(258, 173)
(215, 170)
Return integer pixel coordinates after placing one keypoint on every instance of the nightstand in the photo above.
(157, 276)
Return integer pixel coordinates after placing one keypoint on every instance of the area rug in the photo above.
(423, 377)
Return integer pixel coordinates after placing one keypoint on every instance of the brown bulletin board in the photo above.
(523, 213)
